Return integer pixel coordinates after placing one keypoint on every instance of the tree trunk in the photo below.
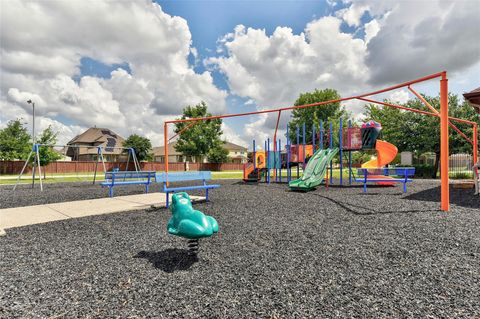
(437, 165)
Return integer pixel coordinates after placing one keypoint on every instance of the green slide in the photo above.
(315, 171)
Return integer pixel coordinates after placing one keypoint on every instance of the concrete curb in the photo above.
(2, 232)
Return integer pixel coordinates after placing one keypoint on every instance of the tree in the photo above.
(14, 141)
(420, 133)
(313, 115)
(141, 146)
(200, 138)
(218, 155)
(47, 154)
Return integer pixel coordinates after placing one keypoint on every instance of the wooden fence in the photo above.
(15, 167)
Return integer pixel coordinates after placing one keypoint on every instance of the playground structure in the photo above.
(317, 156)
(35, 155)
(445, 122)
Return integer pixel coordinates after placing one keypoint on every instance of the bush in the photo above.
(424, 171)
(461, 175)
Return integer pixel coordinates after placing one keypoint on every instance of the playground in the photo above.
(278, 254)
(299, 234)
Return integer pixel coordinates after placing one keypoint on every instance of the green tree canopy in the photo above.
(313, 115)
(202, 137)
(218, 155)
(420, 133)
(141, 146)
(14, 141)
(46, 151)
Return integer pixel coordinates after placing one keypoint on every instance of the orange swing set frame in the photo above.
(445, 122)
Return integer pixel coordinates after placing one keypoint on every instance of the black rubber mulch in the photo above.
(279, 254)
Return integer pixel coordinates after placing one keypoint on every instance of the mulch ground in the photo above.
(279, 254)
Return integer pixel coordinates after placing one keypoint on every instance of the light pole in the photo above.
(33, 128)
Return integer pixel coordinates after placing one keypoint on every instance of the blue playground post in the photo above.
(340, 137)
(268, 160)
(349, 156)
(331, 147)
(304, 141)
(313, 137)
(321, 135)
(289, 149)
(280, 159)
(254, 156)
(298, 151)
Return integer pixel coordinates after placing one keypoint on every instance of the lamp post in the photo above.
(33, 128)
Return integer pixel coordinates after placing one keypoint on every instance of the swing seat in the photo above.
(117, 178)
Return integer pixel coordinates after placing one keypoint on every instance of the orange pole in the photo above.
(165, 143)
(445, 191)
(475, 143)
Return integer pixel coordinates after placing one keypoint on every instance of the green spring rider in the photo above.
(189, 223)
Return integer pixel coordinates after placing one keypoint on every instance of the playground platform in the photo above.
(37, 214)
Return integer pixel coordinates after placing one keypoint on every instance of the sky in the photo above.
(131, 65)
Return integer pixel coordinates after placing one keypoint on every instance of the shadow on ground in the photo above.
(459, 197)
(169, 260)
(364, 210)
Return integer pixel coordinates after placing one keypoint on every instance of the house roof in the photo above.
(473, 97)
(233, 147)
(160, 150)
(96, 136)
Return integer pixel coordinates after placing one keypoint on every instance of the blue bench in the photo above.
(118, 178)
(371, 175)
(183, 177)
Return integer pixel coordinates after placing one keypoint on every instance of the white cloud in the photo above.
(400, 96)
(231, 136)
(274, 69)
(371, 30)
(352, 14)
(41, 55)
(419, 38)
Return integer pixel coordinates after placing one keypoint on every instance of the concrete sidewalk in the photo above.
(28, 215)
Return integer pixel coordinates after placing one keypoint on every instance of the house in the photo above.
(87, 143)
(236, 153)
(473, 97)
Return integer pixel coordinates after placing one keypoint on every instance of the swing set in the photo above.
(36, 164)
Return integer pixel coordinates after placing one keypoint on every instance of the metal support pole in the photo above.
(39, 168)
(280, 158)
(313, 138)
(23, 169)
(321, 135)
(165, 151)
(331, 147)
(254, 156)
(268, 160)
(349, 154)
(304, 140)
(444, 152)
(298, 152)
(340, 137)
(96, 165)
(475, 143)
(34, 166)
(289, 149)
